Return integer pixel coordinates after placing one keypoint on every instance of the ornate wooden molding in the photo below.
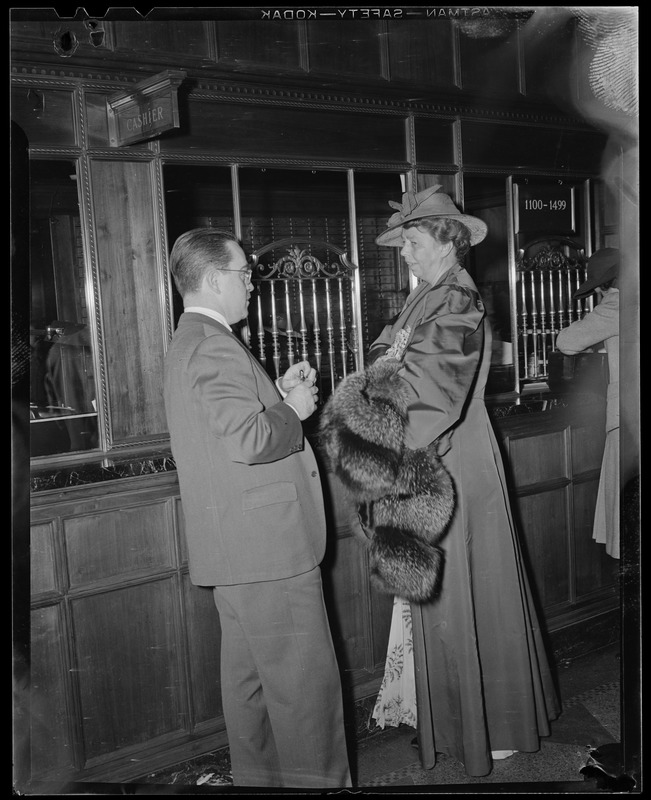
(226, 88)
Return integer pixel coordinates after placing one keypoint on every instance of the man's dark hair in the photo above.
(194, 252)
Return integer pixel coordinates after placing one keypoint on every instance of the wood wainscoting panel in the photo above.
(46, 696)
(345, 580)
(118, 543)
(595, 569)
(545, 534)
(128, 658)
(180, 523)
(359, 617)
(588, 447)
(203, 633)
(554, 459)
(538, 457)
(381, 611)
(42, 561)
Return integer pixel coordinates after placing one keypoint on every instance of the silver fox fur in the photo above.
(405, 498)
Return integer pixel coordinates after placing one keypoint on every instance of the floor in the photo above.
(585, 737)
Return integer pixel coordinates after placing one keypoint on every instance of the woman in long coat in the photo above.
(484, 688)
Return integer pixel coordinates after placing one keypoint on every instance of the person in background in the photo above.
(483, 685)
(599, 329)
(255, 526)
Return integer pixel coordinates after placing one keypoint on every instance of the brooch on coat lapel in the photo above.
(405, 498)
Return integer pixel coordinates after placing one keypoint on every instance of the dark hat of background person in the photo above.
(427, 203)
(602, 267)
(282, 328)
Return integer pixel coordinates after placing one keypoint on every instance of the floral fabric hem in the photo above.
(396, 700)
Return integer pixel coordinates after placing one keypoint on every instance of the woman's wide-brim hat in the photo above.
(602, 267)
(427, 203)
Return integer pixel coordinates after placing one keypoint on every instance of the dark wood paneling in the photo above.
(184, 37)
(351, 48)
(180, 521)
(46, 115)
(487, 144)
(381, 609)
(488, 53)
(203, 634)
(358, 617)
(594, 568)
(118, 543)
(144, 676)
(434, 141)
(538, 458)
(244, 130)
(545, 535)
(550, 60)
(345, 585)
(588, 446)
(562, 455)
(131, 682)
(422, 52)
(246, 45)
(49, 702)
(130, 288)
(42, 569)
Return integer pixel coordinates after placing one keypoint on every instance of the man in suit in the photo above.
(255, 526)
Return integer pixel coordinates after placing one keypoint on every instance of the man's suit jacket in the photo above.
(250, 485)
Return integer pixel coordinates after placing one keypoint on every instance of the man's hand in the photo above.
(302, 399)
(299, 383)
(297, 373)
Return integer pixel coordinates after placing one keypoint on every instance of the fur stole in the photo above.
(405, 498)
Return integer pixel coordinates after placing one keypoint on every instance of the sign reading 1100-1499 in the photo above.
(544, 208)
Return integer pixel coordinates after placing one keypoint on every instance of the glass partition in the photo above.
(296, 225)
(321, 287)
(63, 405)
(488, 263)
(196, 197)
(552, 235)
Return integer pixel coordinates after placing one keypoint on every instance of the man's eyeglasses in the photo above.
(245, 274)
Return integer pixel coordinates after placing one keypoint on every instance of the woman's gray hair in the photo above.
(444, 230)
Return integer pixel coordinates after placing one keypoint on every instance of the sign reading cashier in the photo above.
(149, 109)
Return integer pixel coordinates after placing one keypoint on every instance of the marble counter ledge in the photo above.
(118, 466)
(106, 469)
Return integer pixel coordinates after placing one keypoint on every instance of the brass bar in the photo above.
(357, 331)
(577, 282)
(303, 331)
(524, 321)
(342, 329)
(263, 354)
(570, 292)
(317, 329)
(274, 329)
(552, 308)
(561, 315)
(534, 326)
(290, 330)
(329, 334)
(543, 321)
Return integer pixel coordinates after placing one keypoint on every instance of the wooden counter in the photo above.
(125, 651)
